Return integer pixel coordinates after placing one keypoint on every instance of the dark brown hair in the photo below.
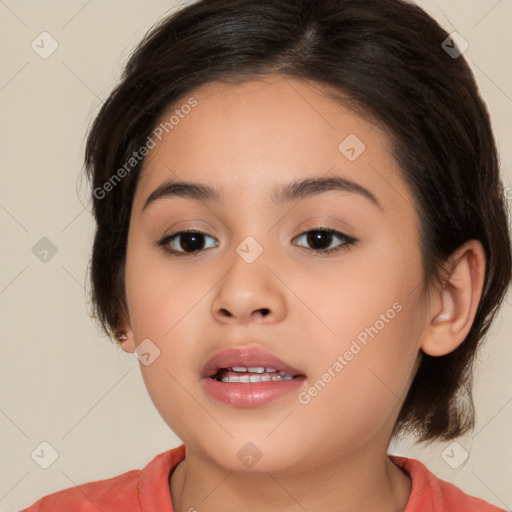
(387, 57)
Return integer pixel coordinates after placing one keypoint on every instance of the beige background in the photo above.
(60, 380)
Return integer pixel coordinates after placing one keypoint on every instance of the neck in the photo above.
(346, 484)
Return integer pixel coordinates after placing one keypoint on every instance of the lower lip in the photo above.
(251, 394)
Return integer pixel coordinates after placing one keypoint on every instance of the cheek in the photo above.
(161, 301)
(165, 306)
(372, 309)
(160, 293)
(369, 287)
(357, 388)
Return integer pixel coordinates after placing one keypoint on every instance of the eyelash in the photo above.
(348, 241)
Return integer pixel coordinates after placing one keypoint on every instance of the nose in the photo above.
(249, 292)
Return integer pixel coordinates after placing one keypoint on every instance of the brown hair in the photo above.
(387, 57)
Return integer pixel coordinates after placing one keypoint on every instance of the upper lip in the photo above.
(246, 357)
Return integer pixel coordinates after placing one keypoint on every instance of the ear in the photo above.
(452, 310)
(125, 337)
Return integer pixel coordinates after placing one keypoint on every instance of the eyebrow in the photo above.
(295, 190)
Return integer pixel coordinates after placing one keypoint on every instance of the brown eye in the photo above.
(321, 240)
(185, 242)
(193, 242)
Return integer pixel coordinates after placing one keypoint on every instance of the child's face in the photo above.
(362, 303)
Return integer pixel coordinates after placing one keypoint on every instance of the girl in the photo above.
(302, 236)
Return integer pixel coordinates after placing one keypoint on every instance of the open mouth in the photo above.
(249, 364)
(251, 374)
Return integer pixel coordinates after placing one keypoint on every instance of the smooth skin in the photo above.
(329, 455)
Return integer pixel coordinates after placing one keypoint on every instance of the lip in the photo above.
(247, 357)
(250, 394)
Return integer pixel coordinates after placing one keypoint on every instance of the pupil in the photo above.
(186, 238)
(316, 236)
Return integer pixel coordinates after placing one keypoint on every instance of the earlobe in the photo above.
(125, 338)
(450, 323)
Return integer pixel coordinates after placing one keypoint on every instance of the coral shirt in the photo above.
(147, 490)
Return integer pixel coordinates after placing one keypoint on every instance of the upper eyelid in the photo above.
(314, 228)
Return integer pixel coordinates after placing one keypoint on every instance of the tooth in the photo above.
(239, 369)
(257, 369)
(229, 379)
(256, 378)
(271, 369)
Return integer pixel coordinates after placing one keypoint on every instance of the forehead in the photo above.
(266, 132)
